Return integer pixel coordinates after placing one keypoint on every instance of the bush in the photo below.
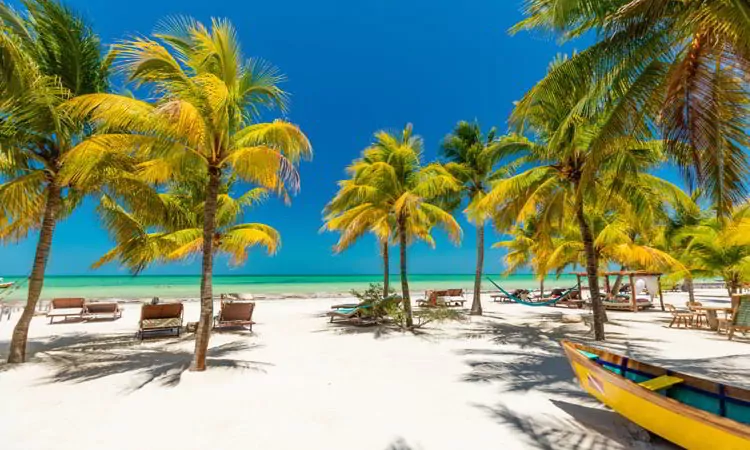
(392, 307)
(422, 317)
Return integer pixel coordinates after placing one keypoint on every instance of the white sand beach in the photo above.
(497, 381)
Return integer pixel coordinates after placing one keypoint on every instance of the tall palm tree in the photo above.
(203, 121)
(355, 210)
(473, 160)
(47, 55)
(573, 152)
(679, 66)
(390, 174)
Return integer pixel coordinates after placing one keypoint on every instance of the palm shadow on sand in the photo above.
(84, 357)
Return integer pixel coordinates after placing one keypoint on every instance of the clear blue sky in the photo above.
(353, 68)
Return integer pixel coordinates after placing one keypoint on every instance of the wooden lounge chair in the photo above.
(66, 307)
(679, 317)
(447, 297)
(235, 314)
(161, 317)
(454, 297)
(740, 318)
(100, 310)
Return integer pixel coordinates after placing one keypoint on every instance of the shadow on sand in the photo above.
(585, 428)
(531, 359)
(84, 357)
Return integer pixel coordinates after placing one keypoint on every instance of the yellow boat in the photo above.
(691, 412)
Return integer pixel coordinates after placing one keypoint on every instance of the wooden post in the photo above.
(607, 287)
(661, 296)
(633, 300)
(578, 282)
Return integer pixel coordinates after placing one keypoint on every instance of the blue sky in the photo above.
(353, 68)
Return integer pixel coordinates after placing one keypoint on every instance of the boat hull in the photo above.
(680, 424)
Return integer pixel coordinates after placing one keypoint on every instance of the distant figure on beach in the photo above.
(155, 301)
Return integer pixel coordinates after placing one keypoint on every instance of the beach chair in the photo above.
(431, 298)
(66, 307)
(679, 317)
(358, 314)
(101, 310)
(565, 298)
(454, 297)
(740, 318)
(235, 314)
(160, 317)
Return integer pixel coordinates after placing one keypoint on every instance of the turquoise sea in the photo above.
(276, 286)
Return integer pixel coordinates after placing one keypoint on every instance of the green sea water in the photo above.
(275, 286)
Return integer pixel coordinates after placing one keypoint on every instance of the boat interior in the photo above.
(715, 398)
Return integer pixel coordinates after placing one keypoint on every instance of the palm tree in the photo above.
(573, 152)
(390, 174)
(171, 227)
(355, 210)
(473, 159)
(528, 246)
(719, 247)
(679, 66)
(208, 98)
(49, 54)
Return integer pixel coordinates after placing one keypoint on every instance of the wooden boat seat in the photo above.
(662, 382)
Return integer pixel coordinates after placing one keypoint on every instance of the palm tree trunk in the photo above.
(476, 303)
(207, 299)
(404, 280)
(592, 266)
(541, 287)
(690, 289)
(36, 281)
(386, 269)
(618, 282)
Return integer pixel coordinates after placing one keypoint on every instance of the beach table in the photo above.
(712, 314)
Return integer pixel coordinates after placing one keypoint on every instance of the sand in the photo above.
(499, 381)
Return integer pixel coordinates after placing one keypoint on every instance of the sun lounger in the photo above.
(358, 314)
(235, 314)
(100, 310)
(740, 317)
(161, 317)
(66, 307)
(448, 297)
(454, 297)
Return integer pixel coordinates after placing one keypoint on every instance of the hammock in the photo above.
(549, 302)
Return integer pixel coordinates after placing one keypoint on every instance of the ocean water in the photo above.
(276, 286)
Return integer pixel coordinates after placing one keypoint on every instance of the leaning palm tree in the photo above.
(390, 174)
(203, 120)
(573, 152)
(171, 228)
(473, 159)
(47, 55)
(678, 66)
